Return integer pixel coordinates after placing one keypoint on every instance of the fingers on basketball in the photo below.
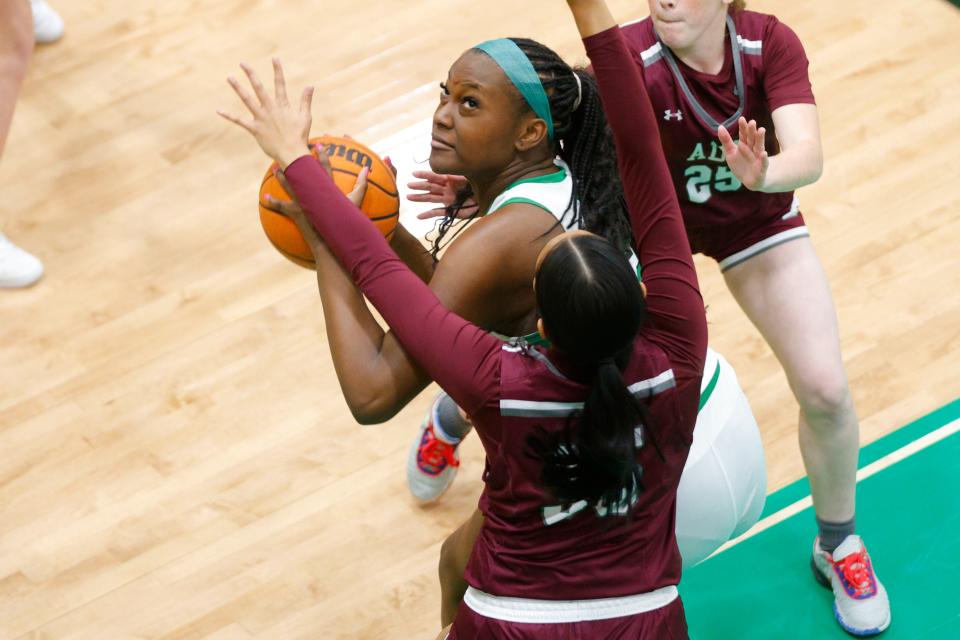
(345, 160)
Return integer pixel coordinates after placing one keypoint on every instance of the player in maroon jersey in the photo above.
(712, 68)
(587, 439)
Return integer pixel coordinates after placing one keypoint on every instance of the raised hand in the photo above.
(280, 129)
(439, 189)
(591, 16)
(747, 157)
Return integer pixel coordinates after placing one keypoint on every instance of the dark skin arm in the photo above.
(413, 253)
(485, 277)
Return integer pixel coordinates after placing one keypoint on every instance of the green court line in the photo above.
(909, 513)
(871, 453)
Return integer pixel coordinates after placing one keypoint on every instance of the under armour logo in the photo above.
(672, 115)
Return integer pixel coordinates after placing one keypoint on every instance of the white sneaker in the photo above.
(47, 23)
(432, 463)
(860, 602)
(17, 267)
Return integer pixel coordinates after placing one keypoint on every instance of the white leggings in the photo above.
(724, 483)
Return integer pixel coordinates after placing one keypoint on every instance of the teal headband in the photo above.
(519, 69)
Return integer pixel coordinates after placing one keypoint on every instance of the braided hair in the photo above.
(582, 138)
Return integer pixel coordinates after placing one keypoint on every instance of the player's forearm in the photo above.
(377, 376)
(354, 335)
(413, 253)
(591, 16)
(792, 168)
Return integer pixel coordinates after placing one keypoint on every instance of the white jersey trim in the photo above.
(652, 51)
(763, 245)
(654, 385)
(651, 55)
(553, 197)
(655, 51)
(794, 208)
(535, 409)
(528, 610)
(541, 409)
(753, 47)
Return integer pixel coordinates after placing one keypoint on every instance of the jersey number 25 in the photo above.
(703, 179)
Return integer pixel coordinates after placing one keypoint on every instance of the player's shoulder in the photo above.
(528, 373)
(639, 31)
(758, 29)
(649, 365)
(495, 243)
(641, 38)
(521, 215)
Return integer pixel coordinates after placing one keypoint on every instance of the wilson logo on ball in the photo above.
(347, 156)
(350, 154)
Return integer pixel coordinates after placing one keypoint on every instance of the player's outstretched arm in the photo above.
(436, 343)
(800, 161)
(673, 300)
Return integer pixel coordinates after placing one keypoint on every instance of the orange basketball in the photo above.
(347, 157)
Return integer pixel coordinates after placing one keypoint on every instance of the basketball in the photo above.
(347, 157)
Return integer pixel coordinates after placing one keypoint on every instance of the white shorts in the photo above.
(724, 483)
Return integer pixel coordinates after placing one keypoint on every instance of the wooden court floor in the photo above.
(176, 460)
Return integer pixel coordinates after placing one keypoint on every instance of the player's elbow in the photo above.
(817, 162)
(367, 417)
(812, 161)
(372, 409)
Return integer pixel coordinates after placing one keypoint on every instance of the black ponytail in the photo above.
(592, 309)
(582, 138)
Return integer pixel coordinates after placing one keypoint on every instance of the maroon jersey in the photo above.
(529, 547)
(771, 65)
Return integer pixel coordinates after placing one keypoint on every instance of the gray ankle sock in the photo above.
(833, 533)
(448, 423)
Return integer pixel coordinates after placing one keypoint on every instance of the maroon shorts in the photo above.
(666, 623)
(730, 245)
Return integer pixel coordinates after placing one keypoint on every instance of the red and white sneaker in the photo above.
(432, 463)
(860, 602)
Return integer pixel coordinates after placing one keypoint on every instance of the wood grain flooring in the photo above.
(176, 460)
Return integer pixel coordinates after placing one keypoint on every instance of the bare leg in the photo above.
(17, 267)
(784, 292)
(454, 555)
(16, 46)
